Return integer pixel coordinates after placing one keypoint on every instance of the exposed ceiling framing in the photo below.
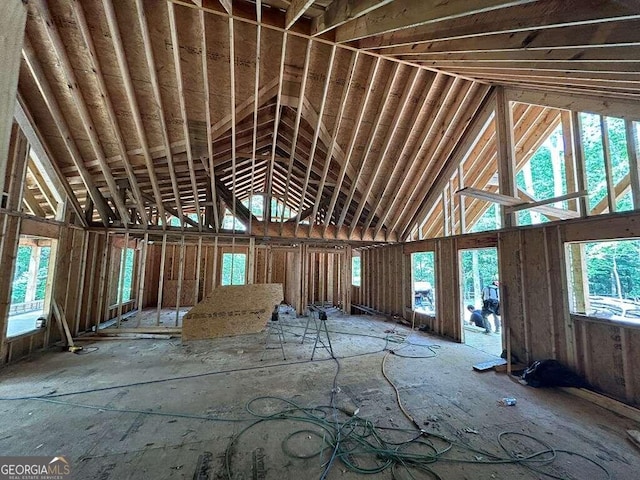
(348, 112)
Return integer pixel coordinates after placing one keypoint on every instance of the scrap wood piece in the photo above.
(232, 310)
(509, 201)
(59, 315)
(484, 366)
(634, 436)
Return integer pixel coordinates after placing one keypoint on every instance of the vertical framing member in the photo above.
(123, 262)
(163, 257)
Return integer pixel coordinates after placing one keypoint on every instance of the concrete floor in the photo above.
(134, 409)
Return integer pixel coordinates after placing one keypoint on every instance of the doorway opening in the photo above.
(480, 299)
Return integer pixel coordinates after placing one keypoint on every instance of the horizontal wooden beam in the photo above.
(530, 205)
(340, 12)
(407, 13)
(510, 201)
(576, 102)
(296, 9)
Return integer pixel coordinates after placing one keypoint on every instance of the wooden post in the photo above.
(161, 277)
(578, 151)
(252, 260)
(142, 268)
(123, 262)
(103, 281)
(92, 273)
(12, 22)
(346, 282)
(506, 152)
(569, 157)
(608, 169)
(214, 274)
(83, 273)
(180, 275)
(634, 172)
(198, 276)
(462, 206)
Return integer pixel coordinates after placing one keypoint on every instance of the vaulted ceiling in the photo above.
(345, 111)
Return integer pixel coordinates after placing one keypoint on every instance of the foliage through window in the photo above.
(355, 271)
(29, 286)
(603, 279)
(234, 269)
(423, 268)
(543, 177)
(126, 282)
(478, 268)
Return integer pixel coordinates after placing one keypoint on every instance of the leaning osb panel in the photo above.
(232, 310)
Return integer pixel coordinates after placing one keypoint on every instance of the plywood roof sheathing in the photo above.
(296, 129)
(114, 30)
(104, 93)
(316, 134)
(46, 92)
(155, 86)
(183, 109)
(332, 143)
(373, 73)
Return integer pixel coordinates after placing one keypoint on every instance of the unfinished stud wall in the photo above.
(67, 262)
(534, 305)
(536, 308)
(308, 275)
(386, 280)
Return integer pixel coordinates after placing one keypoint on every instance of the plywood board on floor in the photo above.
(232, 310)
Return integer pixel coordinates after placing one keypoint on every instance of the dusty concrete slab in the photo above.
(159, 409)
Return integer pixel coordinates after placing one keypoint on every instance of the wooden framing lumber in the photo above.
(530, 205)
(155, 85)
(376, 121)
(113, 121)
(373, 74)
(316, 135)
(511, 201)
(506, 152)
(339, 12)
(295, 10)
(81, 107)
(54, 108)
(294, 140)
(163, 257)
(183, 107)
(269, 184)
(13, 20)
(133, 103)
(384, 150)
(401, 14)
(332, 143)
(207, 102)
(634, 166)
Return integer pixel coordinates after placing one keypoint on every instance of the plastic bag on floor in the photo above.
(551, 373)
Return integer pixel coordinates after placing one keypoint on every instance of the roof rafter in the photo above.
(114, 30)
(81, 107)
(407, 13)
(294, 142)
(373, 73)
(183, 107)
(46, 92)
(379, 161)
(332, 144)
(376, 120)
(95, 64)
(155, 86)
